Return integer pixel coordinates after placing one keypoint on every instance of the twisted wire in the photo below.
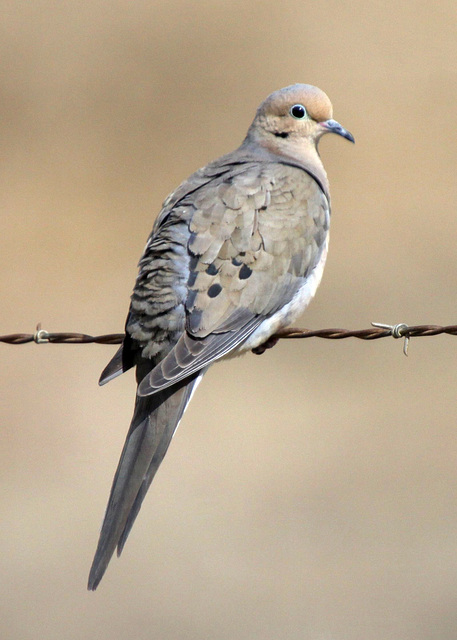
(373, 333)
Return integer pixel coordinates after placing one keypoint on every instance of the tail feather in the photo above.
(155, 463)
(154, 421)
(121, 362)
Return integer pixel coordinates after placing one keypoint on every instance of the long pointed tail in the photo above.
(154, 421)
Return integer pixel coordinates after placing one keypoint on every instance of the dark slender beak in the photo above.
(332, 126)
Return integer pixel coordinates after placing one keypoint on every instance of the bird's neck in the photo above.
(302, 153)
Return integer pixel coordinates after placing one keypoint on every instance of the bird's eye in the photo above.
(298, 111)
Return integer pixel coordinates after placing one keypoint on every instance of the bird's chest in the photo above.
(295, 225)
(294, 231)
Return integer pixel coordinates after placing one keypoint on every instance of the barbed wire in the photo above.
(375, 332)
(42, 336)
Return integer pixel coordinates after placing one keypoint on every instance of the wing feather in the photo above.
(245, 266)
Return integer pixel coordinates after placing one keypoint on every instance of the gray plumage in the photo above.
(236, 253)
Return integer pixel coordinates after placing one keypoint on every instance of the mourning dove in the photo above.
(235, 255)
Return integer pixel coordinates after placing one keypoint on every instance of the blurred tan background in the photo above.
(310, 493)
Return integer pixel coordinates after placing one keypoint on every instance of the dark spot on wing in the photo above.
(212, 270)
(191, 279)
(191, 298)
(194, 320)
(192, 237)
(193, 262)
(245, 272)
(214, 290)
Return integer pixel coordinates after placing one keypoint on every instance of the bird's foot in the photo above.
(268, 344)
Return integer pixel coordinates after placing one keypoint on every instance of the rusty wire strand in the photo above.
(373, 333)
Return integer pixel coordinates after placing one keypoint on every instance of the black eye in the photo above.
(298, 111)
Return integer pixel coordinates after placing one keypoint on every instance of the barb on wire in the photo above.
(377, 331)
(42, 336)
(400, 330)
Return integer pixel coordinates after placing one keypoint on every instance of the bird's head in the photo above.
(291, 121)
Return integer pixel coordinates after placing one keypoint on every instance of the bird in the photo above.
(235, 255)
